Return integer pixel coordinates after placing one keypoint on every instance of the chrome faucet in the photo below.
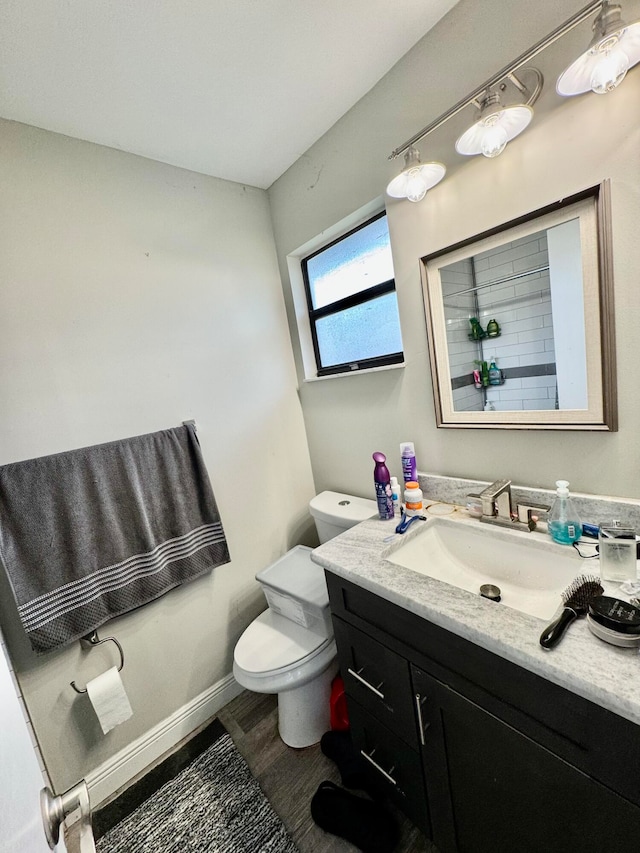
(497, 508)
(496, 501)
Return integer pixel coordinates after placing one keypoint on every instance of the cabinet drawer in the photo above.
(378, 679)
(394, 768)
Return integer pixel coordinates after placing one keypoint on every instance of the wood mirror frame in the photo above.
(589, 211)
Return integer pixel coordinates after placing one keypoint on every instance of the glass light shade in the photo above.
(490, 134)
(413, 183)
(603, 66)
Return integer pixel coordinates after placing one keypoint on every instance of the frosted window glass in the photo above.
(365, 331)
(360, 261)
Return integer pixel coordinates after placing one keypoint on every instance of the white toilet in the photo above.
(289, 649)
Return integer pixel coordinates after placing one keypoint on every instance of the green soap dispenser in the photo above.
(564, 523)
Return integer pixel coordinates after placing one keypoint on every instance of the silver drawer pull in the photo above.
(420, 700)
(366, 683)
(378, 768)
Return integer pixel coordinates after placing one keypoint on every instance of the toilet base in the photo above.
(303, 713)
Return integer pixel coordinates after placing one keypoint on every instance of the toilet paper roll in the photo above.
(109, 699)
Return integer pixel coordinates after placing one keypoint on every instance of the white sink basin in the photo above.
(530, 571)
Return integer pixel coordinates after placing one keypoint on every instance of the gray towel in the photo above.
(90, 534)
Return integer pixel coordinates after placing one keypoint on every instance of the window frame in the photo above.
(347, 302)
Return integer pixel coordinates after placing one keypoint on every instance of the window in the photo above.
(351, 296)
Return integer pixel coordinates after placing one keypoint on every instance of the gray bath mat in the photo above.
(214, 805)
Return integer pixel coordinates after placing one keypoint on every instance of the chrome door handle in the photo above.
(366, 683)
(420, 700)
(378, 768)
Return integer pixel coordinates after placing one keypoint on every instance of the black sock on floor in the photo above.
(361, 822)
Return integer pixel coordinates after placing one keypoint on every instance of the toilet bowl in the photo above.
(275, 655)
(289, 649)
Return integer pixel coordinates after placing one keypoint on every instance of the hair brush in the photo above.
(575, 598)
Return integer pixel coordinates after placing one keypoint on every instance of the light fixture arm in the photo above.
(506, 72)
(530, 92)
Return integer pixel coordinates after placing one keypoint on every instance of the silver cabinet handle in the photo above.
(378, 768)
(366, 683)
(420, 700)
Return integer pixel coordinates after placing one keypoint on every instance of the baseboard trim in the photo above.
(120, 770)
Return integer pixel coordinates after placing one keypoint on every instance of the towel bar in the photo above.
(92, 640)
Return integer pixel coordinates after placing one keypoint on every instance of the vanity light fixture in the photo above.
(416, 177)
(614, 48)
(496, 124)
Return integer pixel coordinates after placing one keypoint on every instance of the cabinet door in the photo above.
(377, 678)
(394, 768)
(491, 788)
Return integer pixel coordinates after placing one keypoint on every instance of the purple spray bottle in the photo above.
(382, 480)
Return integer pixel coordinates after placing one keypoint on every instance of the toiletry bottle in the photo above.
(484, 374)
(617, 549)
(564, 522)
(382, 480)
(495, 376)
(477, 332)
(409, 466)
(395, 495)
(413, 499)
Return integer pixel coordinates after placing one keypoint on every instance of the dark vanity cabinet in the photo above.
(483, 755)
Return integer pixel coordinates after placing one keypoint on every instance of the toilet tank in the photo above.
(296, 589)
(334, 513)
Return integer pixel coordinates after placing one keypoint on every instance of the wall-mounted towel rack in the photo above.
(91, 640)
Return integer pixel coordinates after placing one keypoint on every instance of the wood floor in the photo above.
(290, 777)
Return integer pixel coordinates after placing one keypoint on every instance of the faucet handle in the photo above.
(526, 513)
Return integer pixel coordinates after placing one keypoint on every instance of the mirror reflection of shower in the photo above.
(515, 324)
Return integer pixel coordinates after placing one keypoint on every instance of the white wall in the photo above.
(571, 144)
(134, 296)
(565, 269)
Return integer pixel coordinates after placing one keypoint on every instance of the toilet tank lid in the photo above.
(295, 575)
(338, 508)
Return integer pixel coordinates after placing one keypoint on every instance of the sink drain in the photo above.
(488, 590)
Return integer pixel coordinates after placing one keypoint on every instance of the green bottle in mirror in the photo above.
(477, 332)
(493, 329)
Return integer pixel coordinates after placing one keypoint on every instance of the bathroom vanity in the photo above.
(484, 739)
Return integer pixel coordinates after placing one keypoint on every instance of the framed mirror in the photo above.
(521, 324)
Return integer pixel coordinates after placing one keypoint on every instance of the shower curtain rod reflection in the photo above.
(512, 277)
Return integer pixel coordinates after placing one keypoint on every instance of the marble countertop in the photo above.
(602, 673)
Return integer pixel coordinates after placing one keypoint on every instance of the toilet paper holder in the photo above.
(90, 641)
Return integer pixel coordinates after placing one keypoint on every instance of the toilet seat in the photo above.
(275, 654)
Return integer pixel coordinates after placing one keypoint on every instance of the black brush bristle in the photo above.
(580, 592)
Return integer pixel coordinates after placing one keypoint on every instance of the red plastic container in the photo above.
(339, 718)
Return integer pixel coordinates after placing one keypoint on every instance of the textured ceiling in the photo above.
(238, 89)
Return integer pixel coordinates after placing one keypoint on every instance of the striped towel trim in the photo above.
(45, 608)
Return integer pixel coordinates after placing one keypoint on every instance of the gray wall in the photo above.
(571, 144)
(134, 296)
